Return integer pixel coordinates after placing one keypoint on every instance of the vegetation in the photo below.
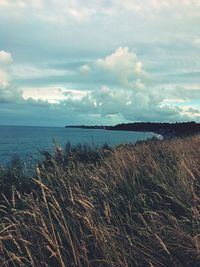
(167, 130)
(134, 205)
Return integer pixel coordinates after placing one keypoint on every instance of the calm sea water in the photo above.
(27, 142)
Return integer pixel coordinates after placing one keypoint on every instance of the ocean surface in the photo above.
(27, 142)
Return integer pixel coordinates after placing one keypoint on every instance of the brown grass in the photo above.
(139, 207)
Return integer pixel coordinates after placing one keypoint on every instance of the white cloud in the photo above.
(5, 58)
(124, 65)
(8, 93)
(196, 41)
(128, 105)
(132, 97)
(50, 45)
(52, 95)
(33, 72)
(85, 70)
(80, 14)
(4, 2)
(84, 11)
(22, 3)
(137, 5)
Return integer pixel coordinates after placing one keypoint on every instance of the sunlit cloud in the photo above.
(8, 92)
(99, 61)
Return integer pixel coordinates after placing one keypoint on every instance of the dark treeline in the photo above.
(167, 130)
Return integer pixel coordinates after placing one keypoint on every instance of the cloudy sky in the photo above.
(99, 61)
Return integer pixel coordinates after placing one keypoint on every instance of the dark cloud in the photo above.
(82, 47)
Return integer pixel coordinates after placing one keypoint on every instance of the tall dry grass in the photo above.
(137, 206)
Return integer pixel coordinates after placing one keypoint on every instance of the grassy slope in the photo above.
(139, 206)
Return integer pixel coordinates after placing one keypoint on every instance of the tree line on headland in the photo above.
(167, 130)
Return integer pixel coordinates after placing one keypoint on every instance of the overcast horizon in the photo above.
(102, 62)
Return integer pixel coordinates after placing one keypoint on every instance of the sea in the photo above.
(27, 142)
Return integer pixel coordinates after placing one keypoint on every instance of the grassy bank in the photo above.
(134, 205)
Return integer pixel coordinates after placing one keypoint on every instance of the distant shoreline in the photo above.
(166, 130)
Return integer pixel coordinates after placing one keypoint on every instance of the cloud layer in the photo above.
(100, 62)
(8, 93)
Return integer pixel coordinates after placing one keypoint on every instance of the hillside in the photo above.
(134, 205)
(167, 130)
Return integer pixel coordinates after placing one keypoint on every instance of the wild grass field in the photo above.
(132, 205)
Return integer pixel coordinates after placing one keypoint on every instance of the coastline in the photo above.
(166, 130)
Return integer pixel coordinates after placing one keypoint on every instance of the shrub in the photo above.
(137, 205)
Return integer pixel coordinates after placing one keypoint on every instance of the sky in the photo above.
(94, 62)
